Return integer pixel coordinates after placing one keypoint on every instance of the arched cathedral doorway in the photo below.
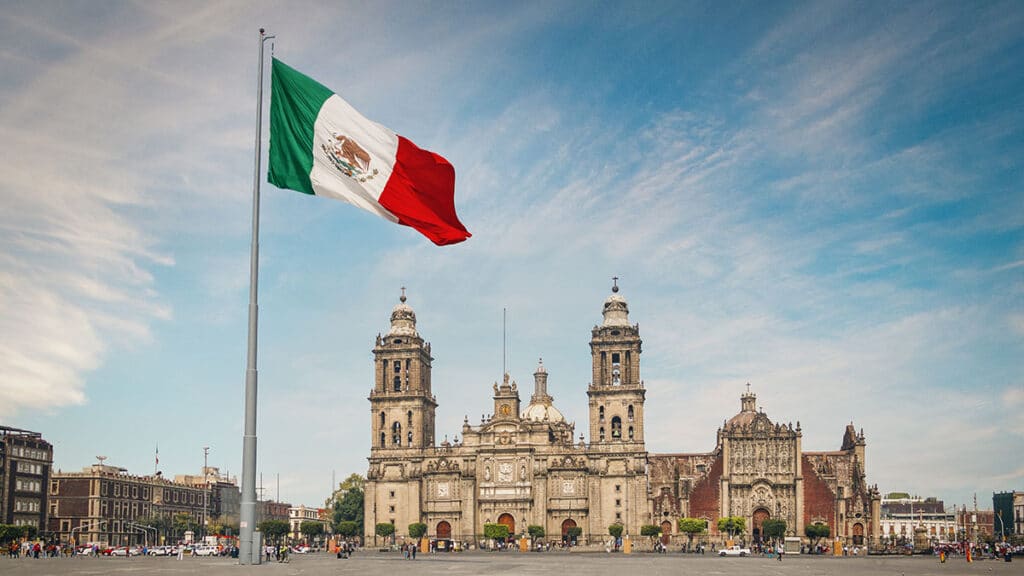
(566, 525)
(666, 532)
(509, 521)
(760, 515)
(444, 530)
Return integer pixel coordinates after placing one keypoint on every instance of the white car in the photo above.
(205, 551)
(734, 551)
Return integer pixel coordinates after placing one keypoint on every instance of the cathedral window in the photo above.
(409, 418)
(629, 413)
(601, 434)
(616, 428)
(398, 383)
(618, 501)
(618, 487)
(615, 359)
(382, 422)
(630, 432)
(410, 438)
(600, 413)
(396, 434)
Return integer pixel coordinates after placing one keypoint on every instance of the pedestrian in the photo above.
(413, 546)
(181, 552)
(781, 551)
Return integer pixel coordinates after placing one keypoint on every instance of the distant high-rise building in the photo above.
(25, 463)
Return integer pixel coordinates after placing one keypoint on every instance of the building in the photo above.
(975, 525)
(299, 514)
(272, 510)
(106, 505)
(1008, 508)
(225, 497)
(25, 466)
(523, 466)
(901, 516)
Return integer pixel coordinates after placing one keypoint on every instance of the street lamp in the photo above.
(206, 486)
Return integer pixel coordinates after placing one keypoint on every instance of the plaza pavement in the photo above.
(367, 563)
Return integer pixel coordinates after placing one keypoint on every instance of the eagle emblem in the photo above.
(349, 157)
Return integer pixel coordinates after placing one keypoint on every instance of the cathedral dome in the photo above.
(616, 310)
(403, 319)
(543, 412)
(541, 406)
(748, 410)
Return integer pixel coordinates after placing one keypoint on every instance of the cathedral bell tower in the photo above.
(616, 392)
(402, 405)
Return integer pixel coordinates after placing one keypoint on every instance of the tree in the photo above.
(273, 530)
(417, 530)
(162, 525)
(495, 531)
(650, 530)
(224, 525)
(691, 526)
(347, 529)
(9, 532)
(347, 503)
(573, 533)
(311, 529)
(535, 531)
(183, 522)
(774, 529)
(615, 530)
(384, 529)
(816, 532)
(732, 525)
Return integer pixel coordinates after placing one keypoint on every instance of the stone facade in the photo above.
(522, 466)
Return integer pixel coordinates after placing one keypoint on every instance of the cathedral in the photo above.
(523, 465)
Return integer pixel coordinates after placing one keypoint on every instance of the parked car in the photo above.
(205, 550)
(160, 551)
(734, 551)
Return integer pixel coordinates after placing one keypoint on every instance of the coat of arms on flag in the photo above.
(349, 157)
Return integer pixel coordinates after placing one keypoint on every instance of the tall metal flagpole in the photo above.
(247, 517)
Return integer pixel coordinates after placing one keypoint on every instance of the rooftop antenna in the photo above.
(101, 459)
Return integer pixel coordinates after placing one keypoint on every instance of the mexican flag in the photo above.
(320, 144)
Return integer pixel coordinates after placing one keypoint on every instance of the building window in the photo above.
(630, 432)
(601, 435)
(383, 439)
(391, 494)
(396, 434)
(397, 385)
(618, 502)
(409, 418)
(600, 413)
(615, 359)
(618, 487)
(410, 437)
(629, 413)
(616, 428)
(382, 421)
(391, 509)
(117, 490)
(618, 516)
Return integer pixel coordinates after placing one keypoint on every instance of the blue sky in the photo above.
(825, 200)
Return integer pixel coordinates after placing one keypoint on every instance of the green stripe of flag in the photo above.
(295, 102)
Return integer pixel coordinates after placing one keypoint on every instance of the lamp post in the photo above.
(206, 487)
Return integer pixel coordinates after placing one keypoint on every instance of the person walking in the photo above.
(781, 550)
